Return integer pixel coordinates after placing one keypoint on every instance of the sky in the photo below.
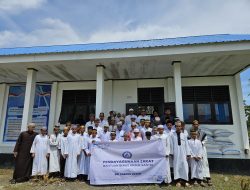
(50, 22)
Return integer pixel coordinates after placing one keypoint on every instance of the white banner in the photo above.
(128, 163)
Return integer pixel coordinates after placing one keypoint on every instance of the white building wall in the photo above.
(119, 92)
(235, 128)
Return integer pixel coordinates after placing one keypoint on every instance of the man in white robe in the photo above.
(113, 137)
(129, 116)
(40, 152)
(63, 148)
(180, 152)
(142, 116)
(165, 138)
(54, 159)
(136, 136)
(196, 158)
(98, 127)
(105, 135)
(91, 122)
(168, 127)
(146, 128)
(103, 121)
(93, 139)
(74, 149)
(119, 132)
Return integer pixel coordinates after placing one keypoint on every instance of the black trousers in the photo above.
(62, 165)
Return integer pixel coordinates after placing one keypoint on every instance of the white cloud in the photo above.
(16, 6)
(52, 31)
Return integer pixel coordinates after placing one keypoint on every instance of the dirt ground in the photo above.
(220, 182)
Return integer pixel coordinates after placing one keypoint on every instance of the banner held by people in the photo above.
(128, 163)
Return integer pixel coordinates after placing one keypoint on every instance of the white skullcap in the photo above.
(160, 127)
(119, 123)
(136, 131)
(157, 119)
(131, 109)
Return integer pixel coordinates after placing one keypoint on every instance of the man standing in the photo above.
(23, 158)
(91, 121)
(180, 152)
(136, 136)
(54, 166)
(63, 147)
(74, 149)
(128, 117)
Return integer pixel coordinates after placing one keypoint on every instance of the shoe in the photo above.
(12, 181)
(195, 183)
(202, 184)
(178, 184)
(187, 184)
(209, 183)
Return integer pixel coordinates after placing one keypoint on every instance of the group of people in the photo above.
(67, 154)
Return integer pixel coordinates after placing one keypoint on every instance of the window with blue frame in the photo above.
(208, 104)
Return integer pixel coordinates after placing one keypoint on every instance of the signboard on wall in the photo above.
(14, 112)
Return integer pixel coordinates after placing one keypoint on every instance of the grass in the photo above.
(220, 182)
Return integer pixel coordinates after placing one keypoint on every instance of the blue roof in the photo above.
(191, 40)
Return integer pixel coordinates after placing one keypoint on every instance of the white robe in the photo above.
(119, 134)
(71, 167)
(196, 151)
(144, 130)
(104, 137)
(88, 149)
(82, 159)
(63, 145)
(166, 142)
(180, 153)
(136, 138)
(54, 158)
(128, 119)
(40, 147)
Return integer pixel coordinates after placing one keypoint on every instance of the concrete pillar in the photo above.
(242, 116)
(53, 107)
(178, 89)
(170, 91)
(29, 98)
(99, 89)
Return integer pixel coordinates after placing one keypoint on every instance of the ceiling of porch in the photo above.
(206, 64)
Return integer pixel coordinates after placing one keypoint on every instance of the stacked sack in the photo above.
(218, 142)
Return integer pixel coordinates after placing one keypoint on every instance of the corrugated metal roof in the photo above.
(126, 44)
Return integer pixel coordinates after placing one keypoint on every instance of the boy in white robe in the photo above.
(63, 147)
(203, 138)
(196, 158)
(93, 139)
(74, 149)
(40, 153)
(165, 138)
(180, 152)
(148, 136)
(54, 159)
(82, 173)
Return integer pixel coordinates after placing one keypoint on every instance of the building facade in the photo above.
(196, 77)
